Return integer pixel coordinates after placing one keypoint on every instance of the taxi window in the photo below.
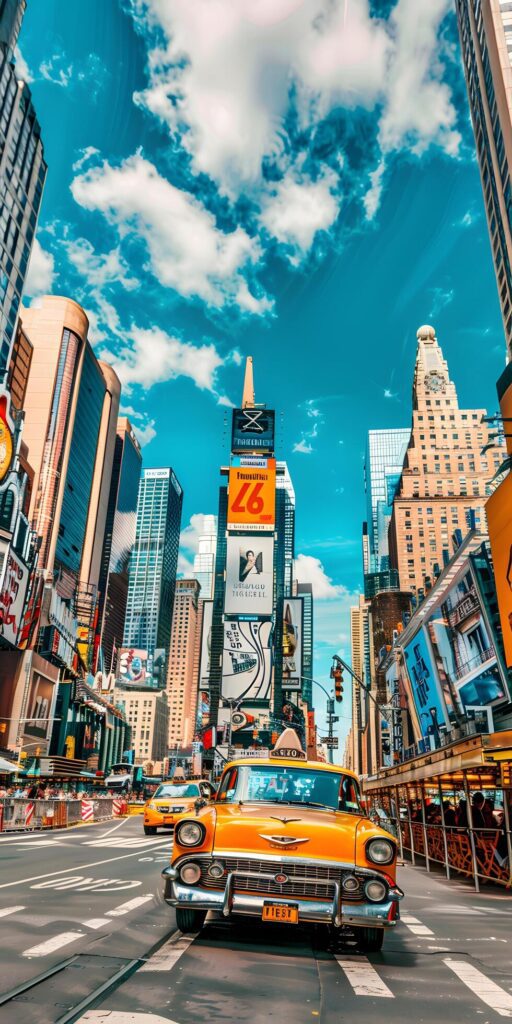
(187, 789)
(290, 785)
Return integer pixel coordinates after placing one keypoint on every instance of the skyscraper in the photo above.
(22, 177)
(204, 559)
(182, 681)
(71, 410)
(485, 28)
(445, 476)
(119, 539)
(153, 565)
(285, 495)
(385, 452)
(305, 591)
(360, 659)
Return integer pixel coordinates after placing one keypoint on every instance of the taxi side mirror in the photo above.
(199, 803)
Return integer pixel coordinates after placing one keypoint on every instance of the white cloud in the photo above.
(187, 251)
(143, 426)
(372, 198)
(57, 69)
(23, 71)
(309, 569)
(303, 447)
(99, 269)
(297, 208)
(152, 356)
(40, 274)
(85, 155)
(189, 542)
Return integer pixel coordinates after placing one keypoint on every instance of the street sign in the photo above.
(332, 744)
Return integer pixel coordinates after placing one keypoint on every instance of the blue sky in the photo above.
(288, 179)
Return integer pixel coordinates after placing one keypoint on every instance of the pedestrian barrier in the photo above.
(23, 815)
(119, 807)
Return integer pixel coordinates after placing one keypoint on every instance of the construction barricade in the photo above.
(24, 815)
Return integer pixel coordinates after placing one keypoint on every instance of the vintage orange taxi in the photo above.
(171, 800)
(285, 840)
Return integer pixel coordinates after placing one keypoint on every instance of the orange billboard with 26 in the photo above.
(499, 523)
(252, 494)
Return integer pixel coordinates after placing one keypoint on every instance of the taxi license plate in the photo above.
(280, 913)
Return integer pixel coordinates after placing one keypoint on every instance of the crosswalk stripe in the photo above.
(125, 908)
(96, 922)
(7, 911)
(488, 991)
(134, 843)
(414, 925)
(43, 948)
(168, 955)
(363, 977)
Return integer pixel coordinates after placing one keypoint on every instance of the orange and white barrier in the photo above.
(118, 807)
(87, 810)
(29, 813)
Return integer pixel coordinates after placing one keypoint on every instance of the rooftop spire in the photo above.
(248, 392)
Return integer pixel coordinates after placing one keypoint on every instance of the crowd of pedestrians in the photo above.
(487, 820)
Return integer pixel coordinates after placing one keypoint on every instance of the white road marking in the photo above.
(96, 922)
(125, 908)
(7, 911)
(119, 823)
(38, 843)
(122, 1017)
(135, 842)
(486, 990)
(415, 926)
(83, 884)
(43, 948)
(77, 867)
(362, 977)
(168, 955)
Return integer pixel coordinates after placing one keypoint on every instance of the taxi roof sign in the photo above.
(288, 745)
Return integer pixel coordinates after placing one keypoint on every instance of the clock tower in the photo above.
(445, 477)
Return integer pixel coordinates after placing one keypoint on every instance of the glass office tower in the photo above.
(385, 453)
(153, 566)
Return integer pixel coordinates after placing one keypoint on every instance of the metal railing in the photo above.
(23, 814)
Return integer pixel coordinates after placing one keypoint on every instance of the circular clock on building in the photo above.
(435, 381)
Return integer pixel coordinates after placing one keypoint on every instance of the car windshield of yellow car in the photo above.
(290, 785)
(187, 789)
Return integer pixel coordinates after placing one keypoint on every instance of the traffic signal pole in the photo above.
(384, 709)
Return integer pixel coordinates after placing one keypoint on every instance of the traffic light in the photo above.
(338, 685)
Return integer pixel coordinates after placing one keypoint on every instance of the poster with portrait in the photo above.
(247, 661)
(132, 666)
(292, 643)
(206, 646)
(249, 575)
(40, 706)
(425, 688)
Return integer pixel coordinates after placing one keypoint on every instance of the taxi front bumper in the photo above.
(330, 912)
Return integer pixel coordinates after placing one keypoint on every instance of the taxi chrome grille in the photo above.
(305, 880)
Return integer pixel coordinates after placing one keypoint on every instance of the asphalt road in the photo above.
(93, 898)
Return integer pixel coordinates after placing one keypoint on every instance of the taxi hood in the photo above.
(286, 829)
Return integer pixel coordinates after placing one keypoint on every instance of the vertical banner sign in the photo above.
(247, 661)
(252, 494)
(292, 643)
(499, 523)
(249, 576)
(206, 646)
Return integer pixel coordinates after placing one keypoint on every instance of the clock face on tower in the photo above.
(435, 381)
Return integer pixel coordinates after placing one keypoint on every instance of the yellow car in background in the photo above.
(171, 800)
(288, 841)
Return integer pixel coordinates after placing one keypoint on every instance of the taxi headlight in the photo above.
(190, 873)
(350, 883)
(380, 851)
(216, 869)
(190, 833)
(376, 890)
(152, 807)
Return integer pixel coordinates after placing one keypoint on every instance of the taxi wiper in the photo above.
(304, 803)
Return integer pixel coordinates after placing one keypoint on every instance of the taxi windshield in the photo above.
(290, 785)
(187, 789)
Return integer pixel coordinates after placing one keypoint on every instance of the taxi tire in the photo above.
(370, 940)
(150, 830)
(189, 920)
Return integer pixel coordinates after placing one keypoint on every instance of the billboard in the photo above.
(499, 525)
(426, 693)
(132, 665)
(253, 430)
(12, 597)
(252, 495)
(247, 661)
(463, 648)
(206, 646)
(292, 643)
(249, 576)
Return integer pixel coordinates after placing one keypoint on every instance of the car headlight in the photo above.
(380, 851)
(152, 807)
(190, 833)
(216, 869)
(190, 873)
(376, 890)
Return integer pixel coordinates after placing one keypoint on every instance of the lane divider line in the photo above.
(488, 991)
(363, 977)
(7, 911)
(125, 908)
(96, 922)
(51, 945)
(168, 955)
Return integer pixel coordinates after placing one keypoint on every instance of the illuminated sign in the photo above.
(252, 496)
(132, 665)
(253, 430)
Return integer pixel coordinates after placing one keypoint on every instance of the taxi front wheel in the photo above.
(189, 920)
(150, 830)
(369, 940)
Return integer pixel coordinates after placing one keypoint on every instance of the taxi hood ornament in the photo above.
(285, 821)
(283, 840)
